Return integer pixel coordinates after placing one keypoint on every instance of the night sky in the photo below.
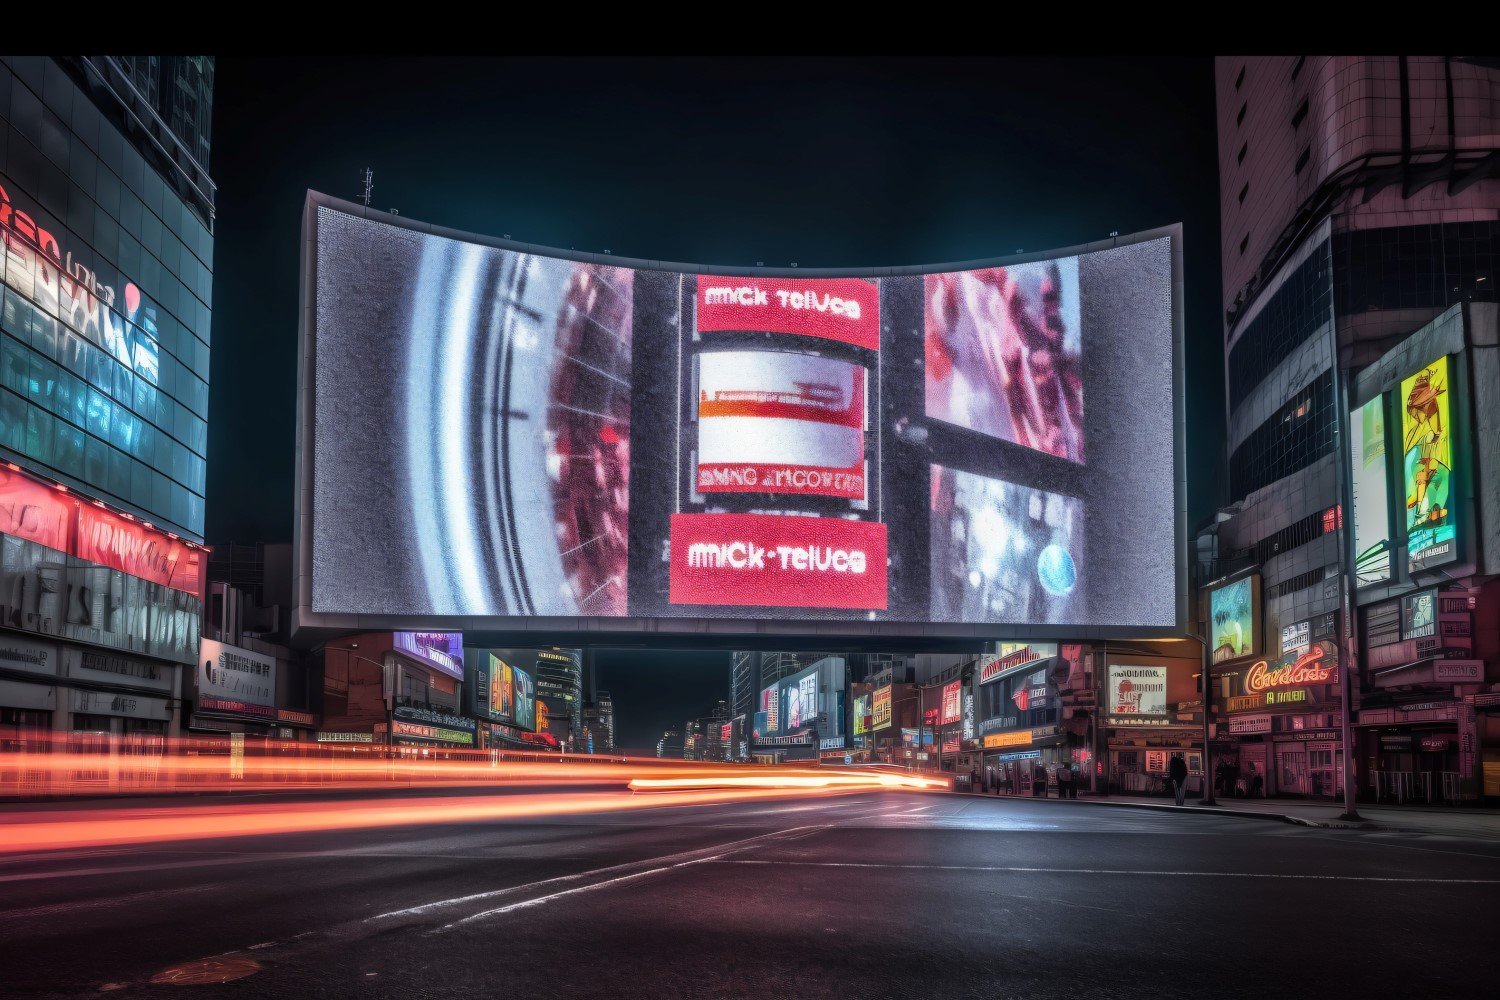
(825, 162)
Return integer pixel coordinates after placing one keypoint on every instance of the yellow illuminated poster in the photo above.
(1427, 464)
(882, 710)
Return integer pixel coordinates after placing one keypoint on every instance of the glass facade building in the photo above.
(107, 289)
(106, 272)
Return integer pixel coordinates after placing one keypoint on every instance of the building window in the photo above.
(1244, 148)
(1244, 191)
(1239, 79)
(1244, 243)
(1239, 119)
(1296, 309)
(1300, 114)
(1294, 437)
(1302, 160)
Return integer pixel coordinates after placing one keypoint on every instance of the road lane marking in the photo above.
(668, 860)
(499, 911)
(1114, 871)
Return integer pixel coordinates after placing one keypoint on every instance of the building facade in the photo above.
(1359, 200)
(106, 216)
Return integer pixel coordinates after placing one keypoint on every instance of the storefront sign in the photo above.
(114, 668)
(1458, 671)
(802, 739)
(952, 703)
(1021, 738)
(1315, 666)
(1395, 743)
(881, 713)
(429, 717)
(1003, 722)
(1021, 755)
(1242, 724)
(439, 733)
(295, 718)
(28, 657)
(1013, 656)
(1487, 700)
(127, 706)
(1291, 696)
(831, 743)
(1311, 736)
(1244, 702)
(1437, 744)
(968, 730)
(236, 681)
(330, 737)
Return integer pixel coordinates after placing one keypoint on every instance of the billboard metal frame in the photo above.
(312, 626)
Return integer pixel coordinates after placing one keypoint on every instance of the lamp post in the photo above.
(1207, 677)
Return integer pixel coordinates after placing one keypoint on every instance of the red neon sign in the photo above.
(1315, 666)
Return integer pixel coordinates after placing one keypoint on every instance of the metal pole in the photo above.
(1349, 661)
(1208, 787)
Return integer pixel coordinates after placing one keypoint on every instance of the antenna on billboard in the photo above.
(369, 180)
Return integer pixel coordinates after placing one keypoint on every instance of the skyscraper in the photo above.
(1359, 199)
(107, 216)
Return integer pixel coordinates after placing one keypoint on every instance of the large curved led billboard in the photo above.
(502, 437)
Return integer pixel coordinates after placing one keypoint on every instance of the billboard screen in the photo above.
(707, 446)
(1234, 619)
(499, 690)
(1370, 489)
(1427, 465)
(861, 714)
(952, 703)
(443, 651)
(799, 699)
(234, 680)
(1137, 695)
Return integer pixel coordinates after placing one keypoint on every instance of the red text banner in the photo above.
(846, 310)
(134, 549)
(774, 561)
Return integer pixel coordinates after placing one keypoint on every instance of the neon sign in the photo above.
(1316, 666)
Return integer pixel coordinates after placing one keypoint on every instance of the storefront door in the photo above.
(1291, 769)
(1325, 767)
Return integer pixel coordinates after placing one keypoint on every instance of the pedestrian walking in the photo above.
(1065, 789)
(1177, 770)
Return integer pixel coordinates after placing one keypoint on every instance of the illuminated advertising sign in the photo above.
(1427, 464)
(443, 651)
(428, 724)
(952, 703)
(1137, 695)
(968, 730)
(236, 681)
(635, 446)
(1318, 664)
(56, 518)
(770, 706)
(1018, 738)
(861, 714)
(1234, 619)
(1419, 614)
(1011, 657)
(1370, 490)
(775, 560)
(846, 310)
(780, 423)
(882, 710)
(799, 694)
(541, 716)
(498, 690)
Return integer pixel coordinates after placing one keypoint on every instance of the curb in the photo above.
(1199, 810)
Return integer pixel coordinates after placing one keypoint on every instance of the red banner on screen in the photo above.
(843, 309)
(774, 561)
(111, 540)
(803, 480)
(36, 512)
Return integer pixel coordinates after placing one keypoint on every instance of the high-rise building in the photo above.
(602, 711)
(744, 681)
(1359, 200)
(559, 675)
(106, 218)
(670, 744)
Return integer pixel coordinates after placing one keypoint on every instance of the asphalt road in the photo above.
(931, 896)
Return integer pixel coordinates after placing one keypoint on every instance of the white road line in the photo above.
(670, 860)
(1116, 871)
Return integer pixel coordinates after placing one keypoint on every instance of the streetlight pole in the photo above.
(1207, 678)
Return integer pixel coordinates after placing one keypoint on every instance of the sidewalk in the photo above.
(1433, 820)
